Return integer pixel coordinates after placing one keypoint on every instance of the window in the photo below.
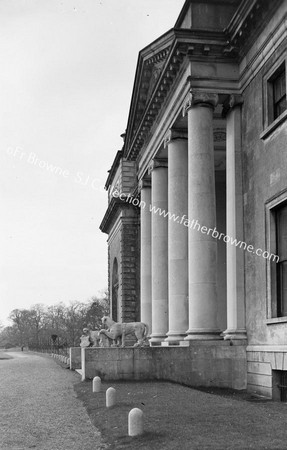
(279, 93)
(276, 244)
(281, 241)
(279, 385)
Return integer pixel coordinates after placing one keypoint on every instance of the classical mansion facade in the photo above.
(197, 212)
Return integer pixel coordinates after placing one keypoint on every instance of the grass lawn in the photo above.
(178, 417)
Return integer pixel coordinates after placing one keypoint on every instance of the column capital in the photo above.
(231, 102)
(174, 134)
(202, 98)
(144, 183)
(156, 163)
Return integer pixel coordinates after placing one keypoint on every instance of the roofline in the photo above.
(142, 54)
(114, 168)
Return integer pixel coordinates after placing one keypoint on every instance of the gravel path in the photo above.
(39, 408)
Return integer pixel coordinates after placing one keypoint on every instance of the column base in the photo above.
(156, 339)
(173, 343)
(203, 335)
(233, 334)
(174, 338)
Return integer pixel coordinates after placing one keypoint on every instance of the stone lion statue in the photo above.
(117, 331)
(93, 338)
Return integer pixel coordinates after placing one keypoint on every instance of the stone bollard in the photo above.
(110, 397)
(135, 425)
(97, 384)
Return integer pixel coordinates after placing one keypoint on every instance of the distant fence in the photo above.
(56, 349)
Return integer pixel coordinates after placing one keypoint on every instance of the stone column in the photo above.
(234, 221)
(145, 271)
(202, 217)
(176, 141)
(159, 259)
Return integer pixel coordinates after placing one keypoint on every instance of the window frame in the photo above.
(275, 83)
(280, 296)
(270, 123)
(271, 208)
(271, 101)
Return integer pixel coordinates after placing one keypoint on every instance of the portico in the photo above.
(186, 215)
(182, 162)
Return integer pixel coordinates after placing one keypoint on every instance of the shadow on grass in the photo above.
(179, 417)
(4, 356)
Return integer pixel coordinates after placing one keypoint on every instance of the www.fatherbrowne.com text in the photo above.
(195, 225)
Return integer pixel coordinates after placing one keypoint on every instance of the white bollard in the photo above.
(110, 397)
(135, 425)
(97, 384)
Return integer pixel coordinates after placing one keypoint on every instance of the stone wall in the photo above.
(75, 358)
(261, 362)
(114, 250)
(264, 178)
(201, 364)
(130, 260)
(124, 247)
(264, 169)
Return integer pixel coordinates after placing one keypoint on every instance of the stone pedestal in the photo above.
(201, 212)
(176, 141)
(159, 260)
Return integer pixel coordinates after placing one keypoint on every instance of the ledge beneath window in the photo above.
(276, 320)
(274, 125)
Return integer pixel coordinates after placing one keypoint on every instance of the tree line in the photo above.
(55, 327)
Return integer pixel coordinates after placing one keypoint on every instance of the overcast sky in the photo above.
(67, 73)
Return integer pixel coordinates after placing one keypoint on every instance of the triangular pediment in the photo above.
(151, 62)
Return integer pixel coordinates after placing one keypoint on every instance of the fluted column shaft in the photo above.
(202, 213)
(145, 272)
(159, 260)
(177, 235)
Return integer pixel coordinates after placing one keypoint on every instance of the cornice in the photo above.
(114, 168)
(115, 205)
(247, 23)
(271, 45)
